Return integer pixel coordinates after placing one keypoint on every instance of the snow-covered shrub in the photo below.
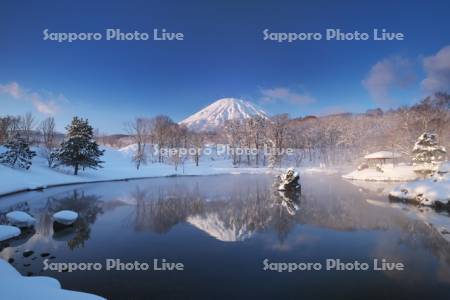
(18, 153)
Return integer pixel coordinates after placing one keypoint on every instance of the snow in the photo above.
(8, 232)
(426, 191)
(118, 166)
(390, 173)
(217, 113)
(20, 219)
(17, 287)
(66, 217)
(382, 155)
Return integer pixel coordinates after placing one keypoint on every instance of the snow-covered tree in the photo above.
(427, 150)
(79, 148)
(18, 153)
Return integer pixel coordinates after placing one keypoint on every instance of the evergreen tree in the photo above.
(79, 149)
(18, 153)
(427, 150)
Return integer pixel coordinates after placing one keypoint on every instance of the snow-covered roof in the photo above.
(382, 155)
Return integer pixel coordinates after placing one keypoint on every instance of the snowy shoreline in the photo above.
(119, 167)
(48, 186)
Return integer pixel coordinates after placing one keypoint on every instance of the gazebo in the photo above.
(381, 157)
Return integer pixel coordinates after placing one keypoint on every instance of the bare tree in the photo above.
(47, 128)
(277, 134)
(26, 126)
(9, 125)
(139, 129)
(196, 140)
(161, 127)
(234, 136)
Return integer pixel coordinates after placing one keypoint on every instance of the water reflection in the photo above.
(182, 217)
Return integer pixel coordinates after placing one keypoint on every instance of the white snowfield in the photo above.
(390, 173)
(17, 287)
(117, 166)
(222, 110)
(425, 192)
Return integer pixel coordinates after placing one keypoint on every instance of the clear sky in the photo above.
(223, 54)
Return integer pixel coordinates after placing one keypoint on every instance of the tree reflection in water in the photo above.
(87, 206)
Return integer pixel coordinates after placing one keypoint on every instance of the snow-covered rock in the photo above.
(8, 232)
(15, 286)
(222, 110)
(20, 219)
(389, 173)
(65, 217)
(429, 192)
(289, 181)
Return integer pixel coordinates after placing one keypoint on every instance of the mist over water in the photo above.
(222, 228)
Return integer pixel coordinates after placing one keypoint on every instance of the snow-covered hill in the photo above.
(214, 115)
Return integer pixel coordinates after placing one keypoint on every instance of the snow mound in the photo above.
(20, 219)
(425, 192)
(8, 232)
(66, 217)
(18, 287)
(216, 114)
(389, 173)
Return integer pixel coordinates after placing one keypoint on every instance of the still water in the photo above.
(222, 228)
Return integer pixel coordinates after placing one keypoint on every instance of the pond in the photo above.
(225, 230)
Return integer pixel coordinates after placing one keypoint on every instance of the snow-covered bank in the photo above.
(389, 173)
(429, 192)
(15, 286)
(118, 166)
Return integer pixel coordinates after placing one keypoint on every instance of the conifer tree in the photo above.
(79, 150)
(18, 153)
(427, 149)
(427, 152)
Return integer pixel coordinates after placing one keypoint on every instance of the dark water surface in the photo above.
(222, 228)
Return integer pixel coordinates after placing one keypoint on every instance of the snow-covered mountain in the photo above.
(214, 115)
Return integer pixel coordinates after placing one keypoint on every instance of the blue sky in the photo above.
(223, 55)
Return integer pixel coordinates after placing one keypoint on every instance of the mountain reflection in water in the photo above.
(223, 220)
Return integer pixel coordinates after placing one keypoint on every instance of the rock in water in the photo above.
(65, 217)
(20, 219)
(8, 232)
(289, 181)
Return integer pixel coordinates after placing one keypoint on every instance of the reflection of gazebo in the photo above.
(381, 157)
